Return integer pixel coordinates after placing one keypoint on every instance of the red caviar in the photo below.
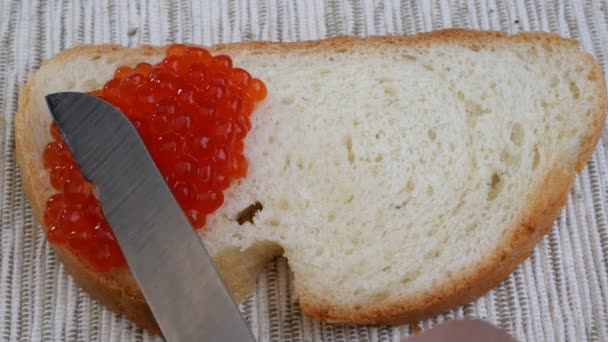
(192, 112)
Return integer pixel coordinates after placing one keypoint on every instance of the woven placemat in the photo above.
(560, 293)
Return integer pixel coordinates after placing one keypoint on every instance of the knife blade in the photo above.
(175, 273)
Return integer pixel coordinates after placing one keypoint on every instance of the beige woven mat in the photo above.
(560, 293)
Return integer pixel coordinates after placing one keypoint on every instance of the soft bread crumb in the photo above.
(394, 175)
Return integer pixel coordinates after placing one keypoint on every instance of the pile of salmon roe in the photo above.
(192, 111)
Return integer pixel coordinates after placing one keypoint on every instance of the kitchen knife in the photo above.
(176, 275)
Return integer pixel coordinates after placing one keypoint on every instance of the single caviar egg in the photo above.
(192, 112)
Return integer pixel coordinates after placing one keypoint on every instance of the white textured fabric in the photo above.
(559, 294)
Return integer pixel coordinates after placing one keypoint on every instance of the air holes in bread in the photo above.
(348, 143)
(432, 254)
(457, 209)
(410, 186)
(381, 296)
(247, 214)
(576, 93)
(401, 205)
(331, 216)
(385, 79)
(517, 134)
(287, 162)
(536, 158)
(509, 158)
(390, 91)
(474, 108)
(495, 186)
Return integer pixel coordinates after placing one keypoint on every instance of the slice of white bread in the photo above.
(400, 176)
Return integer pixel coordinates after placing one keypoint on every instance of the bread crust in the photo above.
(118, 290)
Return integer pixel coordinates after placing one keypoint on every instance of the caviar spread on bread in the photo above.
(192, 112)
